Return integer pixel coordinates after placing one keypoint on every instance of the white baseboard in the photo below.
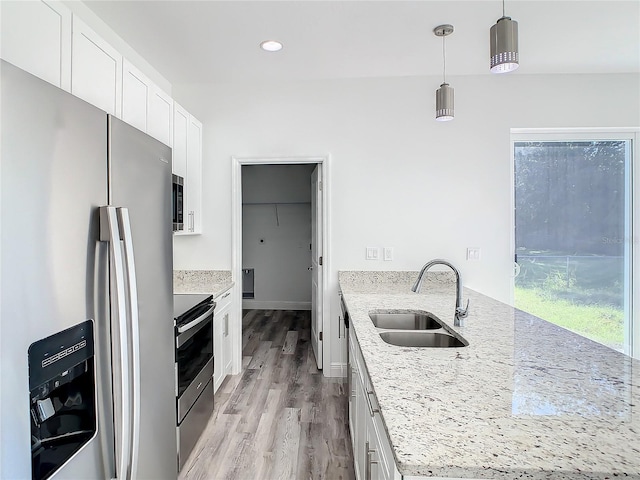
(274, 305)
(337, 370)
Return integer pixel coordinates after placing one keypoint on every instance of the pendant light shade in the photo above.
(504, 45)
(444, 103)
(444, 95)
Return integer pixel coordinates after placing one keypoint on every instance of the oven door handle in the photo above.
(200, 319)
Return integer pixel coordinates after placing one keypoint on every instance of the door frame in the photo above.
(323, 162)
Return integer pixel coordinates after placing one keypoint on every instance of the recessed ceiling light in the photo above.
(271, 45)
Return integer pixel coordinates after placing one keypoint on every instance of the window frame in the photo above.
(632, 248)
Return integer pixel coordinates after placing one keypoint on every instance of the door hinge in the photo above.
(320, 336)
(320, 261)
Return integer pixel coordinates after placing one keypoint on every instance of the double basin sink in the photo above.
(414, 328)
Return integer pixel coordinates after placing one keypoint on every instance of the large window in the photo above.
(573, 235)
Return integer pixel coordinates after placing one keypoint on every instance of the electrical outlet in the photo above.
(473, 254)
(387, 254)
(373, 253)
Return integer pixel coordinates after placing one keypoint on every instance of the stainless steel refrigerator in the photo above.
(86, 270)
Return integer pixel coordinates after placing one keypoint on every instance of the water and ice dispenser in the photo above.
(62, 397)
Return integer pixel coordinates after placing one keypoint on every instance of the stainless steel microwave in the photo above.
(178, 203)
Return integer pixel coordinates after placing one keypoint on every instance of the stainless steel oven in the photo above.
(194, 368)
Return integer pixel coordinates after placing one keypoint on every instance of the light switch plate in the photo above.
(373, 253)
(387, 254)
(473, 253)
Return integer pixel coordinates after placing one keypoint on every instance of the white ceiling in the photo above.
(217, 41)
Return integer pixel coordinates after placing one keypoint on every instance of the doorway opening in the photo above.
(276, 237)
(279, 242)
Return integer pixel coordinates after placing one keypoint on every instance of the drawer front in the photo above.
(193, 391)
(223, 300)
(194, 423)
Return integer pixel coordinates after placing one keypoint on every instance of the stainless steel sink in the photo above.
(422, 339)
(405, 320)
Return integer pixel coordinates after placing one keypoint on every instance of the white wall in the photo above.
(398, 178)
(276, 234)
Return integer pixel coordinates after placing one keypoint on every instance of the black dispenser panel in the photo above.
(62, 397)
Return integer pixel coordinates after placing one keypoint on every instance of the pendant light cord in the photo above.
(444, 62)
(503, 9)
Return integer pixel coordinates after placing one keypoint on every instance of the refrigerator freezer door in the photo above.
(140, 180)
(54, 178)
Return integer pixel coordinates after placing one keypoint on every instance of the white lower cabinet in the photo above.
(372, 455)
(222, 319)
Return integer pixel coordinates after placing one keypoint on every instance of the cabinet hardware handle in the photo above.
(226, 325)
(226, 295)
(199, 385)
(339, 326)
(372, 410)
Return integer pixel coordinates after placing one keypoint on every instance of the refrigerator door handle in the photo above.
(134, 330)
(110, 232)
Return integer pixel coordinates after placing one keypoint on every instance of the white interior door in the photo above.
(316, 266)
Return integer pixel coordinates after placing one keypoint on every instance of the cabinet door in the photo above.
(96, 69)
(180, 129)
(227, 341)
(135, 94)
(218, 362)
(372, 454)
(36, 36)
(193, 181)
(352, 373)
(360, 427)
(160, 116)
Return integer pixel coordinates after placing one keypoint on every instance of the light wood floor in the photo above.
(280, 418)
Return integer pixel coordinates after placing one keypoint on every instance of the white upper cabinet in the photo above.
(145, 106)
(193, 181)
(135, 95)
(160, 118)
(96, 69)
(187, 163)
(180, 129)
(36, 37)
(45, 38)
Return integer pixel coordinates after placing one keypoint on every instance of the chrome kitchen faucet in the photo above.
(461, 313)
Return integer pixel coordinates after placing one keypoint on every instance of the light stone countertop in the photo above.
(525, 399)
(212, 282)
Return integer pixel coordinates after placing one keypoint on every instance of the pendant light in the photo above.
(444, 95)
(504, 45)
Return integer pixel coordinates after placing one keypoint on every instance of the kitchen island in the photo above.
(525, 398)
